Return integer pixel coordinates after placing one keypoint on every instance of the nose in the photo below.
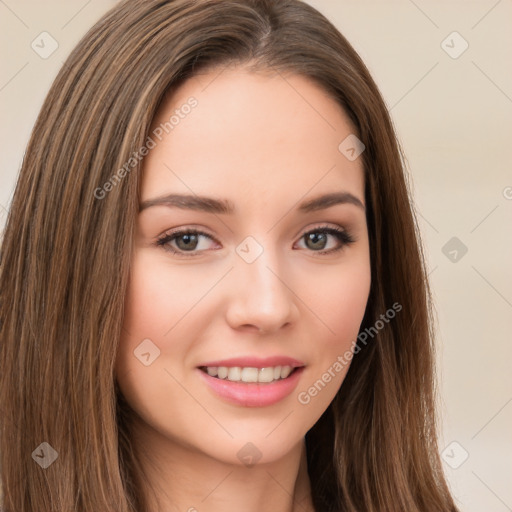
(261, 299)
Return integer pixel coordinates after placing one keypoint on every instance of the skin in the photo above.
(266, 142)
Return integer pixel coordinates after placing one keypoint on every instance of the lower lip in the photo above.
(254, 394)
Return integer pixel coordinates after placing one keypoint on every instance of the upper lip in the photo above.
(255, 362)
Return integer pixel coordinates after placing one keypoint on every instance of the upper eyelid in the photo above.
(184, 231)
(204, 231)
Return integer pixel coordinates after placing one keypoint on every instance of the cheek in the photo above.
(159, 296)
(155, 301)
(339, 300)
(347, 308)
(164, 304)
(341, 306)
(157, 322)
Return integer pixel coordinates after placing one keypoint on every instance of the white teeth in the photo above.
(249, 374)
(234, 373)
(266, 375)
(285, 371)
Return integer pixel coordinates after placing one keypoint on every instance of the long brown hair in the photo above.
(66, 252)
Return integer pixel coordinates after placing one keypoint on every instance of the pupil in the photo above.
(316, 238)
(190, 241)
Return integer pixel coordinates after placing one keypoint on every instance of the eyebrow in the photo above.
(223, 206)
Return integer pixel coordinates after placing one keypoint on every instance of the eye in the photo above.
(185, 241)
(318, 238)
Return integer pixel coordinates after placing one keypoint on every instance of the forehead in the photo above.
(275, 136)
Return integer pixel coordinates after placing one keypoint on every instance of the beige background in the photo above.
(454, 118)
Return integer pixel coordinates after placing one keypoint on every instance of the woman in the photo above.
(213, 291)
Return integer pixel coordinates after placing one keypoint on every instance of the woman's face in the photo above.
(276, 279)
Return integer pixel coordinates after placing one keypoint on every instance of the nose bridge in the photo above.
(261, 297)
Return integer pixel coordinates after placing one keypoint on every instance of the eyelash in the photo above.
(343, 237)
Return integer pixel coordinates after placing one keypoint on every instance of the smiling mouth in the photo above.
(250, 374)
